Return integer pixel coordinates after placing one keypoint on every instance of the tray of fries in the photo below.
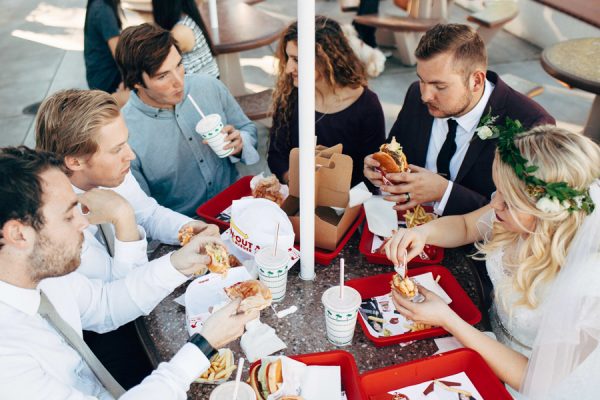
(431, 254)
(377, 384)
(378, 285)
(221, 368)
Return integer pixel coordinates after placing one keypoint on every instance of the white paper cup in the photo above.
(225, 392)
(216, 143)
(209, 126)
(340, 314)
(272, 270)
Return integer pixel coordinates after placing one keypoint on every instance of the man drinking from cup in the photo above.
(174, 164)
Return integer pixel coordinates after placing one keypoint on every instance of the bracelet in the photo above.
(203, 345)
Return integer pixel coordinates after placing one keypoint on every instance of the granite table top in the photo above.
(163, 331)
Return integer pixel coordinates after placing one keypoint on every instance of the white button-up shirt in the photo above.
(464, 132)
(157, 221)
(36, 362)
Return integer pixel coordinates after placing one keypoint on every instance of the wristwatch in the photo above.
(203, 345)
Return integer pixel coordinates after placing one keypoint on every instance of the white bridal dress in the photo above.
(561, 337)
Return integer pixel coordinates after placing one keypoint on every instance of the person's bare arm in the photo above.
(112, 45)
(447, 232)
(184, 36)
(509, 365)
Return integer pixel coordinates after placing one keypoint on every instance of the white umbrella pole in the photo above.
(306, 102)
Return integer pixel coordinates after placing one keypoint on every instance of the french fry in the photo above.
(417, 216)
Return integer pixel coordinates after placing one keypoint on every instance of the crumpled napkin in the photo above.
(260, 340)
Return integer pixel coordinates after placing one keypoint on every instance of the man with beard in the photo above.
(44, 304)
(451, 166)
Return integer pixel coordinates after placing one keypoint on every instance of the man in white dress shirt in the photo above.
(41, 235)
(86, 129)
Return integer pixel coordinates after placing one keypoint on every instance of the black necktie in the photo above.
(447, 150)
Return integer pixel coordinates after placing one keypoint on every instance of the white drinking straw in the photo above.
(196, 106)
(341, 278)
(276, 240)
(238, 378)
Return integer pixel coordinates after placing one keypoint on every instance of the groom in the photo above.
(450, 165)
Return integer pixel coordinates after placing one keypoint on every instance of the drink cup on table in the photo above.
(210, 128)
(340, 314)
(225, 392)
(272, 269)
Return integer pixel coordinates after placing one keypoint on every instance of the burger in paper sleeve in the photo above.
(277, 378)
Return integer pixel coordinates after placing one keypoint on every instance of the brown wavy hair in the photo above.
(334, 58)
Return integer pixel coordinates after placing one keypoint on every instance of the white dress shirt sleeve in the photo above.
(23, 378)
(171, 380)
(161, 223)
(104, 306)
(96, 263)
(438, 207)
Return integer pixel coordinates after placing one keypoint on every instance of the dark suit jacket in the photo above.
(473, 184)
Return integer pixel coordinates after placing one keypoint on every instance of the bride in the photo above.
(540, 237)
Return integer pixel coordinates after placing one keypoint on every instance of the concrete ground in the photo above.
(42, 42)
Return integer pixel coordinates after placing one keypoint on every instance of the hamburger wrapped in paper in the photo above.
(254, 225)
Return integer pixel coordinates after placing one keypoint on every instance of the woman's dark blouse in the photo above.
(360, 128)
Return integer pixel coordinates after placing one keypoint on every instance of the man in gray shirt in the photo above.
(174, 165)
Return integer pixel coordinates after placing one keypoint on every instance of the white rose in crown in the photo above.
(549, 205)
(484, 132)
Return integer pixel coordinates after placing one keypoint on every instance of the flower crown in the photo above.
(549, 196)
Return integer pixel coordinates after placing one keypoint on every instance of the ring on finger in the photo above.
(407, 197)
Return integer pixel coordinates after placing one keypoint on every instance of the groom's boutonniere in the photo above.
(487, 128)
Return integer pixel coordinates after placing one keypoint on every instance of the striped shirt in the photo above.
(199, 59)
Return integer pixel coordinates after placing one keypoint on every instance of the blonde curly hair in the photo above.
(560, 156)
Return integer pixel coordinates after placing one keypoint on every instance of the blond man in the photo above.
(86, 129)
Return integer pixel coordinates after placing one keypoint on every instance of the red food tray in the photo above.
(241, 188)
(348, 369)
(377, 383)
(378, 285)
(435, 253)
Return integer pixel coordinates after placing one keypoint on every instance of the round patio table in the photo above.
(163, 331)
(575, 62)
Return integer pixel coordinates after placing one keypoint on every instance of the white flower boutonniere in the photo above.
(484, 132)
(487, 128)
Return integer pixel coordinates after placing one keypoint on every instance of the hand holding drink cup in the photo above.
(211, 129)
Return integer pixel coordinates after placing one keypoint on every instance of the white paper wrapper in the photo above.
(415, 392)
(359, 194)
(312, 382)
(382, 218)
(254, 224)
(260, 340)
(205, 294)
(284, 190)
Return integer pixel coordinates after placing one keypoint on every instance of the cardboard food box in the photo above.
(333, 178)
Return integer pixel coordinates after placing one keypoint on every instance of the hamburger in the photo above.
(219, 258)
(254, 294)
(406, 286)
(185, 235)
(391, 158)
(266, 378)
(268, 188)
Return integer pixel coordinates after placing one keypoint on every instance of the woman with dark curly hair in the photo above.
(347, 112)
